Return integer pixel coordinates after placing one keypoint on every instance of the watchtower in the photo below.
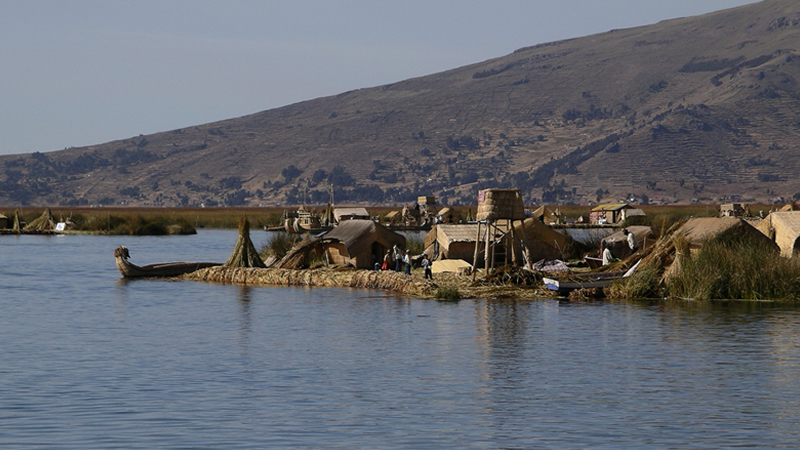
(498, 209)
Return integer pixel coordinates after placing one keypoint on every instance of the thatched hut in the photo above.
(4, 221)
(699, 230)
(783, 228)
(618, 241)
(547, 215)
(541, 241)
(360, 243)
(451, 241)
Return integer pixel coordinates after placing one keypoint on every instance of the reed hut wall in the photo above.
(497, 204)
(452, 241)
(542, 242)
(783, 228)
(3, 221)
(360, 243)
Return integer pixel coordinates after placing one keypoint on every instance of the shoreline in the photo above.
(413, 285)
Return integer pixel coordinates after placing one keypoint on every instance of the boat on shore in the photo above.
(592, 262)
(592, 280)
(170, 269)
(581, 281)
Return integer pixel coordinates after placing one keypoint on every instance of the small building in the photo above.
(732, 210)
(783, 228)
(342, 214)
(360, 243)
(633, 215)
(4, 222)
(457, 241)
(608, 214)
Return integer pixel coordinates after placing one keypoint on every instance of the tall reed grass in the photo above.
(735, 267)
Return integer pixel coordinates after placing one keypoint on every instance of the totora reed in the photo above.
(385, 280)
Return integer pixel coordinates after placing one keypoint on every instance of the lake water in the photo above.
(88, 361)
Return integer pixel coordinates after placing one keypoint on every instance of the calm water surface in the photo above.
(88, 361)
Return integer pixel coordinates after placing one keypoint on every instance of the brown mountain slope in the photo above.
(701, 107)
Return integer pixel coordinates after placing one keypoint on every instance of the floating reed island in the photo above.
(245, 266)
(700, 259)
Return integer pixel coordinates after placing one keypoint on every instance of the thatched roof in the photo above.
(352, 212)
(358, 235)
(783, 228)
(611, 207)
(696, 231)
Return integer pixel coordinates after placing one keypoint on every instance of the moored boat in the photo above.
(170, 269)
(584, 281)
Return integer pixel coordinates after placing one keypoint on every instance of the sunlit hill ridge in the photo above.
(703, 108)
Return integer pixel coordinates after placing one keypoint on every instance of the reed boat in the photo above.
(584, 281)
(573, 282)
(169, 269)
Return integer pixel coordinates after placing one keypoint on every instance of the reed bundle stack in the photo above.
(370, 279)
(45, 222)
(16, 226)
(244, 252)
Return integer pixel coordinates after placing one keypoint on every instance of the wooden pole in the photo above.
(475, 258)
(514, 257)
(488, 249)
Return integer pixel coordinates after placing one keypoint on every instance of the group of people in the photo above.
(397, 260)
(631, 248)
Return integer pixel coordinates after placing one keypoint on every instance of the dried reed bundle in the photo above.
(370, 279)
(297, 257)
(244, 252)
(45, 222)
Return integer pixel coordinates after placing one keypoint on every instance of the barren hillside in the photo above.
(704, 107)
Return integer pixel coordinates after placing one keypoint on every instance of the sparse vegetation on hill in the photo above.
(697, 108)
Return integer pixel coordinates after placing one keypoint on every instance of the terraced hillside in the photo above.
(704, 107)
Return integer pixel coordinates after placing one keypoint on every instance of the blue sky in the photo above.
(84, 72)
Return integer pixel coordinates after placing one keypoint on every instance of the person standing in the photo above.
(633, 245)
(607, 256)
(386, 259)
(398, 258)
(426, 266)
(407, 262)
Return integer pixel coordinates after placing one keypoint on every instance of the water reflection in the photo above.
(245, 298)
(186, 364)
